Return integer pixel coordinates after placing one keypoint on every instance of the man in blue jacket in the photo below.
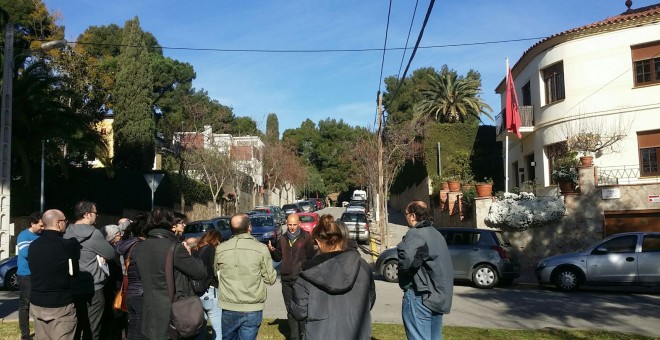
(23, 243)
(426, 275)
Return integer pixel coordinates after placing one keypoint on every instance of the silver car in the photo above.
(483, 256)
(626, 258)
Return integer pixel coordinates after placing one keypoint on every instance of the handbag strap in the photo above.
(169, 271)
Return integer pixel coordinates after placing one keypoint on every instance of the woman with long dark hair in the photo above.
(205, 251)
(149, 257)
(133, 235)
(335, 290)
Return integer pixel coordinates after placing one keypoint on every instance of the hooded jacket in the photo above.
(92, 243)
(425, 266)
(335, 293)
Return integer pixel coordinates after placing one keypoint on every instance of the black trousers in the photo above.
(89, 310)
(25, 287)
(297, 327)
(134, 305)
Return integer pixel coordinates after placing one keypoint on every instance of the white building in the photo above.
(603, 76)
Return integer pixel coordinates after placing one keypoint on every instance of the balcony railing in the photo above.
(526, 119)
(624, 174)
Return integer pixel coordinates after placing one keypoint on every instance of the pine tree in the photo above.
(134, 125)
(272, 128)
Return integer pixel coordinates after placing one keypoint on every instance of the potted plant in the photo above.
(565, 173)
(586, 144)
(467, 202)
(485, 187)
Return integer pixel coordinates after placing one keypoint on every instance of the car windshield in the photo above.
(503, 240)
(353, 218)
(307, 218)
(261, 221)
(288, 207)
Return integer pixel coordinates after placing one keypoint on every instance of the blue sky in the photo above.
(340, 85)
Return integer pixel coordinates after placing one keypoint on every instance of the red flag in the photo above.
(512, 116)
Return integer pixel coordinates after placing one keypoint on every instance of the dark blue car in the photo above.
(264, 228)
(198, 228)
(8, 277)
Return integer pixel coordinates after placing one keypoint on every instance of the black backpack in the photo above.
(201, 286)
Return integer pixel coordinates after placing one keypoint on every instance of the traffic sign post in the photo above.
(153, 180)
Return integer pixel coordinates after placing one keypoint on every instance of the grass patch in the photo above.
(275, 330)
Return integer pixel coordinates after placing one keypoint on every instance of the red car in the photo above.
(308, 221)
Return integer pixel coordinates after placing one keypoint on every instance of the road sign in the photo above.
(153, 180)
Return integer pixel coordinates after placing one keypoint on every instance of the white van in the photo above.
(359, 195)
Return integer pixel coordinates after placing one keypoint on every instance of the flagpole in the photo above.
(506, 134)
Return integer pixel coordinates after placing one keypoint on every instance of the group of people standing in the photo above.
(328, 289)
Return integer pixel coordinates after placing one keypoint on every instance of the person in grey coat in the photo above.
(88, 285)
(335, 290)
(426, 275)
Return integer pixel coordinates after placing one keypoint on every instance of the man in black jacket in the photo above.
(53, 261)
(293, 250)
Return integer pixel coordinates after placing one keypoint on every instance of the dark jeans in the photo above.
(297, 327)
(89, 310)
(134, 305)
(24, 306)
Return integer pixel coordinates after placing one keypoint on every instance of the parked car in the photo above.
(277, 212)
(621, 259)
(482, 256)
(306, 206)
(320, 203)
(264, 228)
(308, 221)
(358, 225)
(360, 206)
(8, 277)
(291, 209)
(198, 228)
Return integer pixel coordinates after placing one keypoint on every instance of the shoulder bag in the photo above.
(187, 313)
(120, 299)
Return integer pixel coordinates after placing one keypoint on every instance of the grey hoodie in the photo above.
(92, 243)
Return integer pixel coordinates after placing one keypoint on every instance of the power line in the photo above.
(327, 50)
(412, 56)
(403, 56)
(382, 62)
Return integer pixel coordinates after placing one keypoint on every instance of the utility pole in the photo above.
(381, 214)
(6, 228)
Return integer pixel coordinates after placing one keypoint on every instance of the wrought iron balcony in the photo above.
(623, 174)
(526, 121)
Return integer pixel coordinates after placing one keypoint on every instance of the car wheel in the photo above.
(11, 280)
(391, 271)
(567, 279)
(485, 277)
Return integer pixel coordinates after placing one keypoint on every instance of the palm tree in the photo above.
(451, 99)
(41, 112)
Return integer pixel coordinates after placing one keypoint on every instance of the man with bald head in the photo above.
(296, 247)
(53, 263)
(244, 268)
(426, 275)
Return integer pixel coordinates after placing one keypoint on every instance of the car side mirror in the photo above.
(601, 251)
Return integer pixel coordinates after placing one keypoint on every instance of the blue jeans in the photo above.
(240, 325)
(213, 313)
(419, 321)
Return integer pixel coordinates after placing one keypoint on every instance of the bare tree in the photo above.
(210, 165)
(277, 158)
(595, 135)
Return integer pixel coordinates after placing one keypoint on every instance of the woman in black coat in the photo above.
(335, 290)
(149, 258)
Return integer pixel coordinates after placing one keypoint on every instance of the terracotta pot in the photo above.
(587, 160)
(454, 186)
(445, 185)
(484, 190)
(567, 187)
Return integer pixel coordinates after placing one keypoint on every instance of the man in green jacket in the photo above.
(244, 268)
